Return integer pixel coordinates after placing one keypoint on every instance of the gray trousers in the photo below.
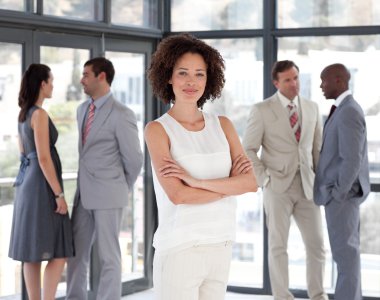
(102, 227)
(343, 221)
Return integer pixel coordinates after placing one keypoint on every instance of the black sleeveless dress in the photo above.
(38, 233)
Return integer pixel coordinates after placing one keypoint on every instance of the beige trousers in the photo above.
(196, 273)
(279, 207)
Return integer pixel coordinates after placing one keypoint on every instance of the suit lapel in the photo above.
(327, 125)
(100, 117)
(335, 114)
(304, 108)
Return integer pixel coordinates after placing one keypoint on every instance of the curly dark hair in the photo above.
(169, 51)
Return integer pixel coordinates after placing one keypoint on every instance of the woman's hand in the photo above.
(240, 165)
(61, 206)
(172, 169)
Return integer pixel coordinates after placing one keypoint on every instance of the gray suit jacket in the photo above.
(343, 171)
(281, 155)
(111, 159)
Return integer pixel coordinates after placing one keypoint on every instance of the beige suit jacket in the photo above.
(281, 155)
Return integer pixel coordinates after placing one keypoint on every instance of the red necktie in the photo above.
(293, 117)
(89, 121)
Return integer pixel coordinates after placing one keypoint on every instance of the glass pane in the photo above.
(10, 77)
(244, 87)
(141, 13)
(360, 55)
(297, 259)
(66, 65)
(216, 15)
(128, 88)
(370, 245)
(90, 10)
(322, 13)
(12, 4)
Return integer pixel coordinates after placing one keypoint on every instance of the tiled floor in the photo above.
(148, 295)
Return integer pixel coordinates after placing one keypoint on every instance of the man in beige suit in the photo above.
(288, 130)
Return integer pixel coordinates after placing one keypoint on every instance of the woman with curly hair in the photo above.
(199, 165)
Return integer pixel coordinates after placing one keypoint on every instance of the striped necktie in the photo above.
(293, 117)
(89, 121)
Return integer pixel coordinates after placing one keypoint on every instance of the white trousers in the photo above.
(196, 273)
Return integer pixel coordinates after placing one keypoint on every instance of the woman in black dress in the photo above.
(41, 228)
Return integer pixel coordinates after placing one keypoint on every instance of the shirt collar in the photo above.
(285, 101)
(101, 100)
(339, 100)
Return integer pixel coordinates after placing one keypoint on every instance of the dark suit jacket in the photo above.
(342, 171)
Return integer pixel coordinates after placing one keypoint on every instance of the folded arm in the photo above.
(229, 186)
(158, 144)
(240, 181)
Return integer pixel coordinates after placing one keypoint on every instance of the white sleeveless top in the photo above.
(205, 154)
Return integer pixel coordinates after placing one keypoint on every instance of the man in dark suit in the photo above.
(110, 160)
(342, 178)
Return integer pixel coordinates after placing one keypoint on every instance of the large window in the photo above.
(251, 35)
(128, 88)
(296, 30)
(66, 54)
(321, 13)
(244, 80)
(80, 9)
(359, 54)
(10, 64)
(216, 15)
(140, 13)
(66, 67)
(12, 4)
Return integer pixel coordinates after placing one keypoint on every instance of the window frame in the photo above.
(270, 34)
(32, 29)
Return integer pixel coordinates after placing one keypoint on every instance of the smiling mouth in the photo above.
(190, 91)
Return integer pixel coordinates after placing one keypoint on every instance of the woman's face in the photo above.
(47, 87)
(189, 78)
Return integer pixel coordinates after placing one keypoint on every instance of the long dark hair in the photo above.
(30, 87)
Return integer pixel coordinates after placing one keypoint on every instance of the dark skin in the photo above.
(335, 80)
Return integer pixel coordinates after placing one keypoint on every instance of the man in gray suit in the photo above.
(342, 178)
(288, 130)
(110, 160)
